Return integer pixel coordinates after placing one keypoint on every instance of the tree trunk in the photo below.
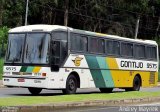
(158, 27)
(66, 13)
(1, 12)
(137, 27)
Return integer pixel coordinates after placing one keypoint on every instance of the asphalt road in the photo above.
(8, 92)
(153, 107)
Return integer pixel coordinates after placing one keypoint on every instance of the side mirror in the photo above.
(55, 68)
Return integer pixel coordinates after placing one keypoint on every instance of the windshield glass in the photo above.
(36, 48)
(15, 48)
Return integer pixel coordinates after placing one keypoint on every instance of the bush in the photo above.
(3, 40)
(1, 67)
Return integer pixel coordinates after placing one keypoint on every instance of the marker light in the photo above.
(44, 74)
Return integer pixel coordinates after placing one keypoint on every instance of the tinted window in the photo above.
(93, 45)
(97, 45)
(139, 51)
(127, 49)
(37, 47)
(15, 48)
(60, 39)
(101, 46)
(113, 47)
(59, 35)
(151, 52)
(79, 43)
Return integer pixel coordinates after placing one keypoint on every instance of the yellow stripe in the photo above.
(101, 34)
(124, 78)
(36, 69)
(112, 63)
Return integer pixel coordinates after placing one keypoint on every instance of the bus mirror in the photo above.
(54, 68)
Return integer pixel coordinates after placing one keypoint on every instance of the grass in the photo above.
(32, 100)
(1, 67)
(159, 75)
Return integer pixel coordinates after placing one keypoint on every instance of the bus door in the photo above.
(58, 54)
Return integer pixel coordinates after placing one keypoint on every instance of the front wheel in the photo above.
(136, 84)
(71, 85)
(34, 91)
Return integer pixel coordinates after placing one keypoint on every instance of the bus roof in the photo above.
(39, 27)
(49, 28)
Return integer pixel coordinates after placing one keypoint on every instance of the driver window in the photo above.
(60, 36)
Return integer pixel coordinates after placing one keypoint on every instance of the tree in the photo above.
(1, 11)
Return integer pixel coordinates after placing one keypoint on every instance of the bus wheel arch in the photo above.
(77, 77)
(72, 83)
(138, 75)
(137, 83)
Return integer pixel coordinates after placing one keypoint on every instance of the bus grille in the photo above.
(152, 78)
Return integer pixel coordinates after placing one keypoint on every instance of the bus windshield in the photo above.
(34, 47)
(36, 50)
(15, 48)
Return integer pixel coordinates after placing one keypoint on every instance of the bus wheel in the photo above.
(71, 85)
(106, 90)
(136, 84)
(34, 91)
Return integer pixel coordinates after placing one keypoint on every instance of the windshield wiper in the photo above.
(13, 61)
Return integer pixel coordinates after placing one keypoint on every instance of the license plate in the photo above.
(21, 80)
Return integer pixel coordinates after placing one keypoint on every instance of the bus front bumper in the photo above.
(24, 82)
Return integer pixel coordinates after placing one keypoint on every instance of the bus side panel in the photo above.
(101, 72)
(77, 63)
(123, 77)
(149, 79)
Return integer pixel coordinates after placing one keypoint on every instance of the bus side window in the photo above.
(113, 47)
(151, 52)
(101, 46)
(63, 50)
(126, 49)
(55, 51)
(60, 38)
(79, 43)
(93, 45)
(139, 51)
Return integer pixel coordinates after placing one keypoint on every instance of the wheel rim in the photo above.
(71, 85)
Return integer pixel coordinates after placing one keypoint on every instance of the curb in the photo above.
(55, 106)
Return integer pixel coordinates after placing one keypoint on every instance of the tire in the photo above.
(136, 84)
(71, 85)
(106, 90)
(34, 91)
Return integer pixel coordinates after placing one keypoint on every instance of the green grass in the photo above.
(1, 67)
(32, 100)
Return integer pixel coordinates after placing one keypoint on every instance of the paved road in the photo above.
(153, 107)
(7, 92)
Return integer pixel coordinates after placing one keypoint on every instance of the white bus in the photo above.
(58, 57)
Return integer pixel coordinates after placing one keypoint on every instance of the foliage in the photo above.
(116, 17)
(1, 67)
(3, 40)
(3, 34)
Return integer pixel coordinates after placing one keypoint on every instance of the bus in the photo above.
(62, 58)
